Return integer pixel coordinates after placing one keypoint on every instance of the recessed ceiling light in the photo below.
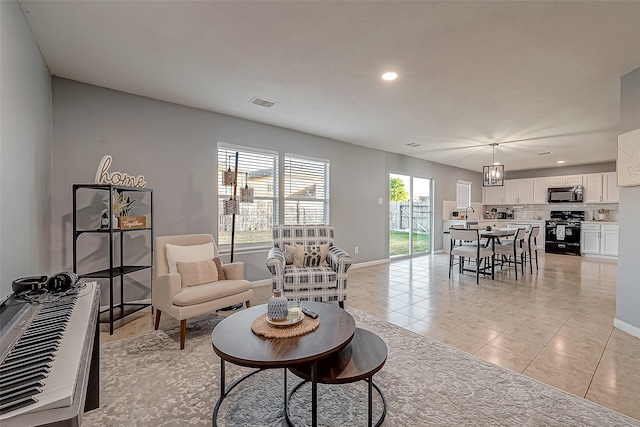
(560, 161)
(389, 76)
(496, 163)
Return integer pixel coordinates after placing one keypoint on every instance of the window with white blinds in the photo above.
(259, 170)
(463, 194)
(306, 190)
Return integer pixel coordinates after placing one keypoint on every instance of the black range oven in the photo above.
(562, 232)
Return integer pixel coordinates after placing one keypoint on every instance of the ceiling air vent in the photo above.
(262, 102)
(544, 153)
(413, 144)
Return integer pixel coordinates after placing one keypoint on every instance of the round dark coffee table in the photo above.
(234, 341)
(365, 355)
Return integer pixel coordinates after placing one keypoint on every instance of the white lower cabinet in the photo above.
(590, 238)
(599, 239)
(609, 240)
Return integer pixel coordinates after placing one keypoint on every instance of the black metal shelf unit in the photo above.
(117, 269)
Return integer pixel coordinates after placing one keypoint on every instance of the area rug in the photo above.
(148, 381)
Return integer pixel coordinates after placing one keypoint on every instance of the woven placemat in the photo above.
(262, 328)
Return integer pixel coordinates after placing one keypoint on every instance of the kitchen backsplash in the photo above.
(533, 212)
(543, 211)
(448, 206)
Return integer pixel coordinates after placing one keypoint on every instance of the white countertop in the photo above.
(501, 221)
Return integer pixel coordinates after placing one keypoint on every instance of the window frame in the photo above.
(459, 189)
(223, 193)
(324, 171)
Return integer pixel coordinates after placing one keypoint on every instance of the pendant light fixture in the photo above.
(229, 176)
(231, 206)
(246, 192)
(493, 176)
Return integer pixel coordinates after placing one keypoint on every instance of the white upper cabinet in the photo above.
(557, 181)
(601, 188)
(518, 191)
(611, 193)
(593, 188)
(539, 191)
(525, 191)
(511, 191)
(598, 188)
(492, 195)
(565, 180)
(574, 180)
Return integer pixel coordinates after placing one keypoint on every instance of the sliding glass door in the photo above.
(410, 215)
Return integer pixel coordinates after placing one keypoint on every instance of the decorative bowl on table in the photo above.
(286, 322)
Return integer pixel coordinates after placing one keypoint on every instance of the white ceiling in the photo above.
(534, 76)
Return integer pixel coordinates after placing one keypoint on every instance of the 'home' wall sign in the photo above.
(103, 176)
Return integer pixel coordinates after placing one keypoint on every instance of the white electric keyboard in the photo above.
(46, 357)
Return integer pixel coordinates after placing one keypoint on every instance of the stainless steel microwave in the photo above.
(565, 194)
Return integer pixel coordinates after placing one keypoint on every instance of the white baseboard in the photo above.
(625, 327)
(370, 263)
(611, 257)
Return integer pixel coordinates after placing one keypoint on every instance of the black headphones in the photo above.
(60, 282)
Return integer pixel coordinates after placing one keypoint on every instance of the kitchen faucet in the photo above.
(466, 212)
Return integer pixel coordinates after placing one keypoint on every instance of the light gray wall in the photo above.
(174, 147)
(25, 150)
(628, 289)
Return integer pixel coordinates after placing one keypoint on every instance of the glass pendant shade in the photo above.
(228, 177)
(246, 194)
(493, 176)
(231, 207)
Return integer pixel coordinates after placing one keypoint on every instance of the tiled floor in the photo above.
(554, 326)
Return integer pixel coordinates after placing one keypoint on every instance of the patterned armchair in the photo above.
(324, 281)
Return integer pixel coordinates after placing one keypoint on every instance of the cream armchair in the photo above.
(189, 295)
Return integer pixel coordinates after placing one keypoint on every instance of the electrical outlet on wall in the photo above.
(356, 249)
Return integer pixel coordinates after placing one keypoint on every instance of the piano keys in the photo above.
(49, 358)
